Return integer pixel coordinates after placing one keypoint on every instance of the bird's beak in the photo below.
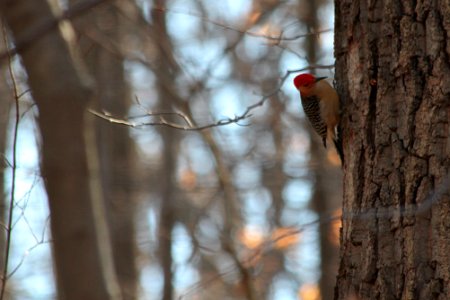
(320, 78)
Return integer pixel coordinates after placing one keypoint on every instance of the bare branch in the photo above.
(13, 165)
(190, 127)
(263, 249)
(151, 113)
(163, 122)
(371, 213)
(46, 26)
(82, 7)
(250, 33)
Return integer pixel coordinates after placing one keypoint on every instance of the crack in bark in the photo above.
(397, 130)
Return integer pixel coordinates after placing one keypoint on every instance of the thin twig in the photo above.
(82, 7)
(13, 167)
(166, 123)
(265, 247)
(189, 126)
(387, 212)
(26, 253)
(46, 26)
(277, 38)
(149, 113)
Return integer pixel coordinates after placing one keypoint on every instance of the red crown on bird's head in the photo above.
(304, 80)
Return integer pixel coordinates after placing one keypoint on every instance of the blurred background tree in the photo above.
(245, 210)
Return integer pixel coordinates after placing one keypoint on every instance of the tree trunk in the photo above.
(393, 61)
(165, 71)
(114, 144)
(59, 87)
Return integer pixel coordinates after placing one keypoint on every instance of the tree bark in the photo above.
(393, 61)
(115, 147)
(165, 70)
(60, 88)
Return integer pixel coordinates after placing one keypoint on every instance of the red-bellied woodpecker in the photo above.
(321, 105)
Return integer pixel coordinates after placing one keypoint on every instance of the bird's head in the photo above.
(305, 83)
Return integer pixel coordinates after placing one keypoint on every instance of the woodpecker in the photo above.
(320, 102)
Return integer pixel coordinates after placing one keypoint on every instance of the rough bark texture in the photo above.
(82, 261)
(392, 68)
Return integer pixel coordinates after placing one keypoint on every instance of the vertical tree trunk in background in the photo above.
(113, 142)
(275, 179)
(165, 70)
(393, 66)
(82, 261)
(167, 215)
(326, 178)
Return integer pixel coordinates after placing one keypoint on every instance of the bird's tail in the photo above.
(338, 143)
